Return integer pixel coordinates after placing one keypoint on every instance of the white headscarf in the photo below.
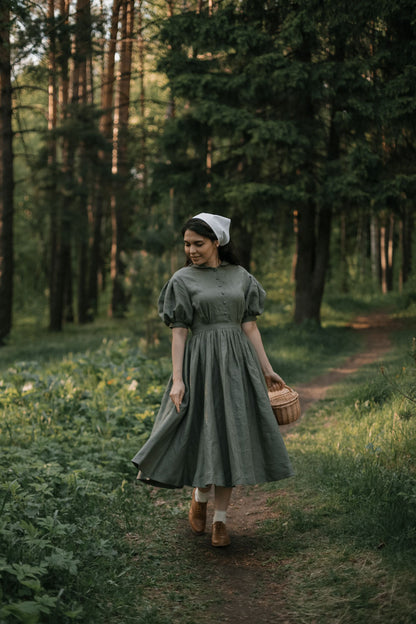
(218, 224)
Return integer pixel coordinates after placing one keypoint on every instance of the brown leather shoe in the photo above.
(220, 535)
(197, 515)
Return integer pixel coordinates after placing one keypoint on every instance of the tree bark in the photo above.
(295, 222)
(52, 154)
(314, 231)
(375, 248)
(408, 238)
(60, 220)
(315, 222)
(383, 261)
(81, 97)
(387, 253)
(6, 177)
(100, 205)
(343, 253)
(405, 242)
(243, 239)
(143, 142)
(390, 252)
(120, 209)
(361, 247)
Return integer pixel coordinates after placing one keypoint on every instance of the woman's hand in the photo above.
(274, 381)
(177, 393)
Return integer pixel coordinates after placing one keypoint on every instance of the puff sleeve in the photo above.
(255, 296)
(174, 305)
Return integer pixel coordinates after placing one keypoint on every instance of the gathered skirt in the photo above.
(225, 432)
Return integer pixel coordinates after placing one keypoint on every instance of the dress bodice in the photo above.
(198, 295)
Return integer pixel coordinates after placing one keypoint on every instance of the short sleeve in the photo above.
(174, 305)
(255, 296)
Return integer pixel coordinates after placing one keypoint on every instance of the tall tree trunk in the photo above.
(52, 153)
(170, 114)
(61, 222)
(383, 257)
(120, 204)
(313, 241)
(81, 97)
(103, 183)
(141, 51)
(315, 222)
(361, 247)
(295, 222)
(70, 90)
(375, 250)
(401, 252)
(343, 253)
(314, 231)
(390, 252)
(6, 177)
(386, 252)
(243, 238)
(405, 241)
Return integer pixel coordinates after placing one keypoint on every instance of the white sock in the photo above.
(219, 516)
(201, 497)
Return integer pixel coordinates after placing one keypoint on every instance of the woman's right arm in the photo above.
(179, 335)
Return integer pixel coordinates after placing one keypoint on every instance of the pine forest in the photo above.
(119, 121)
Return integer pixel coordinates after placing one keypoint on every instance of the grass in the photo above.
(349, 525)
(81, 542)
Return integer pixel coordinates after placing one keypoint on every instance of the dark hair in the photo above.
(225, 252)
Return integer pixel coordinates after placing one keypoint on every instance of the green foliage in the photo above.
(345, 526)
(81, 543)
(243, 107)
(367, 463)
(67, 431)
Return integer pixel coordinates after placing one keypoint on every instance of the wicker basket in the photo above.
(285, 405)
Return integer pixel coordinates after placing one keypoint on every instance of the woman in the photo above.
(215, 427)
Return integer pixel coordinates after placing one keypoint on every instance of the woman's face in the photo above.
(201, 250)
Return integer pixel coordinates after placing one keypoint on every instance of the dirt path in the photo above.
(239, 573)
(376, 329)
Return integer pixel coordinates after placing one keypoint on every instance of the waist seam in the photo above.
(213, 326)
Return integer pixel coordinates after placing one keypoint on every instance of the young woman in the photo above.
(215, 427)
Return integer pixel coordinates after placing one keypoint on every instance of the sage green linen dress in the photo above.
(225, 432)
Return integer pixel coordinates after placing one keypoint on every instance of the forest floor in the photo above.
(336, 544)
(240, 578)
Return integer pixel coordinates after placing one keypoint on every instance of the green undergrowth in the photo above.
(347, 524)
(81, 542)
(301, 353)
(68, 429)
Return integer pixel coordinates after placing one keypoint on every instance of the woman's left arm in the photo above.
(253, 334)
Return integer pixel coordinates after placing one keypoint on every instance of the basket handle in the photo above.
(275, 387)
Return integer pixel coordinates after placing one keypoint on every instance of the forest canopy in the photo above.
(121, 120)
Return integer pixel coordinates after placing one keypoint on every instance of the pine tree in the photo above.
(6, 176)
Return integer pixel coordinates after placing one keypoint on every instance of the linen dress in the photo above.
(225, 432)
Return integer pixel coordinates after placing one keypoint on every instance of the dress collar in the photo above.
(204, 266)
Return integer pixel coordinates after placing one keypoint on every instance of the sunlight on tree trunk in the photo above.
(103, 184)
(386, 252)
(52, 154)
